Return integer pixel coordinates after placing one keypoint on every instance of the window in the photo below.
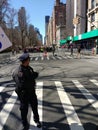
(93, 4)
(93, 17)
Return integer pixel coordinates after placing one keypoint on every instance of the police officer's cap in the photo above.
(24, 57)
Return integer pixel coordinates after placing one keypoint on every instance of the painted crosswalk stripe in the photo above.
(59, 57)
(7, 109)
(94, 81)
(53, 58)
(1, 88)
(39, 93)
(64, 57)
(72, 117)
(47, 57)
(36, 58)
(87, 94)
(42, 58)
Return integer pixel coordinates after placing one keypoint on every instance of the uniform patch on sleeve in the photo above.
(20, 74)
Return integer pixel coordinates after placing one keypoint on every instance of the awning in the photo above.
(62, 42)
(87, 35)
(69, 38)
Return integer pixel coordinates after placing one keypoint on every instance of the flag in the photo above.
(4, 41)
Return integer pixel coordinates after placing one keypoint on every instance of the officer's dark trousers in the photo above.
(29, 98)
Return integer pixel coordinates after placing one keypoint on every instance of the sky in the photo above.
(36, 10)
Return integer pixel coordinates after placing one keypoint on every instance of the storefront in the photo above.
(87, 40)
(63, 42)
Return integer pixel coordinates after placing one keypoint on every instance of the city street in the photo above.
(67, 90)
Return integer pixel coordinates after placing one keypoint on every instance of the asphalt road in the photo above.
(67, 92)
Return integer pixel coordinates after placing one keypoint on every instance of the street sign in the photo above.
(4, 41)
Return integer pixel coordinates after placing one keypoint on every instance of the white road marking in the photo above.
(59, 57)
(47, 57)
(53, 58)
(72, 117)
(42, 58)
(39, 93)
(94, 81)
(1, 88)
(87, 94)
(36, 58)
(7, 109)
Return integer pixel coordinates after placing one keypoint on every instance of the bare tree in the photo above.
(22, 19)
(11, 21)
(4, 5)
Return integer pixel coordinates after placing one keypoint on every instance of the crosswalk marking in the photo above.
(1, 88)
(41, 57)
(64, 57)
(73, 120)
(7, 109)
(94, 81)
(39, 93)
(59, 57)
(56, 57)
(47, 57)
(36, 58)
(87, 94)
(53, 58)
(71, 115)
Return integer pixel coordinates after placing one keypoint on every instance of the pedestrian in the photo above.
(53, 49)
(79, 52)
(24, 77)
(71, 50)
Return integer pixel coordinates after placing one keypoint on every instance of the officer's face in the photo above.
(26, 62)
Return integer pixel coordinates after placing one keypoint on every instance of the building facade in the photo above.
(69, 17)
(76, 17)
(46, 29)
(58, 18)
(92, 15)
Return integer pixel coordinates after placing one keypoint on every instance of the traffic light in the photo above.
(75, 20)
(78, 20)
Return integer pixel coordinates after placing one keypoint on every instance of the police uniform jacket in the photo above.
(25, 78)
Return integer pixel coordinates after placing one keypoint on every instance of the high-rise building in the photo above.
(59, 17)
(56, 24)
(46, 28)
(69, 17)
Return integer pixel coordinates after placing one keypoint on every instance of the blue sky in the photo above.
(36, 10)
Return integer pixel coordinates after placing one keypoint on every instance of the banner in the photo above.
(4, 41)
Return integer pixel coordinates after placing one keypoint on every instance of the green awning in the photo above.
(87, 35)
(62, 42)
(69, 38)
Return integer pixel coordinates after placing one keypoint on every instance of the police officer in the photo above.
(25, 76)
